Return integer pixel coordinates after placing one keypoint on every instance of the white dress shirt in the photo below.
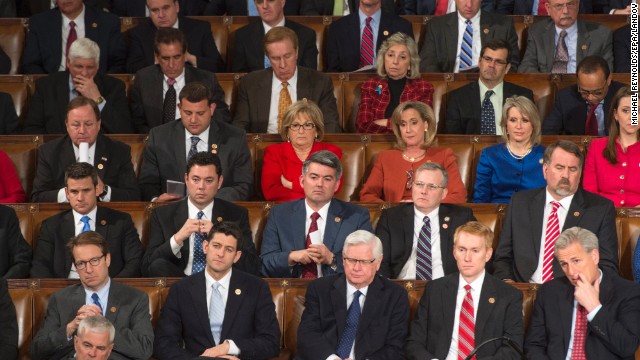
(409, 269)
(193, 214)
(78, 225)
(224, 291)
(350, 291)
(202, 144)
(475, 51)
(276, 87)
(80, 33)
(476, 289)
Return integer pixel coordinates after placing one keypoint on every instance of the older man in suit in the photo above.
(355, 315)
(94, 339)
(535, 218)
(247, 7)
(590, 313)
(286, 251)
(220, 312)
(97, 294)
(15, 253)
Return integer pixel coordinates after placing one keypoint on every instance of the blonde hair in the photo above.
(426, 114)
(308, 108)
(399, 39)
(475, 228)
(528, 110)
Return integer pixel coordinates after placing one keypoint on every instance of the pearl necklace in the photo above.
(518, 157)
(413, 159)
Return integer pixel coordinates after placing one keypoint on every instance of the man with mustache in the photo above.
(536, 217)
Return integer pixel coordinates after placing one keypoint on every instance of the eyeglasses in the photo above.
(490, 60)
(353, 262)
(409, 179)
(571, 5)
(596, 92)
(306, 126)
(80, 265)
(430, 187)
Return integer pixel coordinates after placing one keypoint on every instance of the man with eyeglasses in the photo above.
(51, 258)
(264, 95)
(417, 237)
(304, 238)
(358, 314)
(582, 109)
(127, 308)
(559, 42)
(476, 108)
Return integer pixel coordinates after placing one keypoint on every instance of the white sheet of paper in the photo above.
(315, 237)
(83, 152)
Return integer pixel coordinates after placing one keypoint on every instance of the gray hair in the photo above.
(399, 39)
(326, 158)
(431, 166)
(566, 145)
(97, 324)
(364, 237)
(84, 48)
(587, 239)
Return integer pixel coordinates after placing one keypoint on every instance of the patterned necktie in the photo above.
(96, 300)
(169, 106)
(487, 115)
(310, 271)
(216, 311)
(591, 126)
(561, 59)
(466, 329)
(350, 327)
(338, 7)
(283, 103)
(85, 220)
(542, 10)
(553, 231)
(194, 147)
(366, 45)
(424, 269)
(199, 259)
(579, 334)
(466, 54)
(252, 10)
(73, 36)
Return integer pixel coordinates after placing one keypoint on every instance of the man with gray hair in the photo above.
(304, 238)
(48, 107)
(587, 298)
(94, 339)
(358, 314)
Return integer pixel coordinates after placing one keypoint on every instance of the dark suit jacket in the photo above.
(147, 97)
(342, 45)
(254, 99)
(8, 324)
(464, 106)
(382, 329)
(517, 254)
(395, 230)
(15, 253)
(133, 8)
(27, 8)
(8, 117)
(569, 113)
(127, 309)
(239, 7)
(165, 158)
(432, 327)
(52, 259)
(248, 49)
(43, 46)
(325, 7)
(525, 7)
(116, 170)
(48, 106)
(285, 232)
(197, 33)
(249, 319)
(168, 220)
(428, 7)
(622, 50)
(612, 334)
(616, 4)
(593, 39)
(440, 47)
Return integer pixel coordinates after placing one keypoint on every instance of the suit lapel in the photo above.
(299, 216)
(485, 308)
(304, 85)
(549, 44)
(575, 211)
(90, 24)
(62, 95)
(446, 247)
(449, 303)
(113, 303)
(536, 214)
(409, 214)
(155, 97)
(67, 231)
(101, 156)
(565, 304)
(263, 103)
(67, 156)
(332, 225)
(486, 30)
(451, 38)
(584, 42)
(199, 296)
(234, 303)
(182, 213)
(373, 305)
(475, 104)
(339, 302)
(179, 150)
(56, 40)
(102, 225)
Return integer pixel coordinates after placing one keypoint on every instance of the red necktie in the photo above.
(553, 231)
(366, 45)
(71, 38)
(466, 329)
(441, 7)
(310, 271)
(579, 334)
(542, 10)
(591, 126)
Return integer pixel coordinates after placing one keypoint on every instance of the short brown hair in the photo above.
(196, 91)
(426, 114)
(80, 101)
(308, 108)
(566, 145)
(228, 228)
(88, 238)
(277, 34)
(80, 170)
(475, 228)
(168, 36)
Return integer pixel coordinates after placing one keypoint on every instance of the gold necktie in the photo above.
(283, 103)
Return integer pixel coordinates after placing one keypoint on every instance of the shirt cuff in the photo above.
(233, 348)
(175, 248)
(593, 313)
(107, 196)
(62, 197)
(102, 104)
(333, 357)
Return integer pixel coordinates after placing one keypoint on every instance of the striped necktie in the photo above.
(424, 270)
(466, 329)
(466, 54)
(552, 234)
(366, 45)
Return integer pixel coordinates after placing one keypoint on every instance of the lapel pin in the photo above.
(577, 213)
(94, 25)
(379, 90)
(104, 158)
(486, 31)
(584, 47)
(214, 146)
(540, 161)
(100, 166)
(113, 309)
(219, 219)
(337, 219)
(385, 33)
(492, 300)
(238, 291)
(446, 218)
(445, 226)
(103, 222)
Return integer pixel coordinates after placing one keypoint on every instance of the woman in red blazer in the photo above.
(398, 80)
(302, 129)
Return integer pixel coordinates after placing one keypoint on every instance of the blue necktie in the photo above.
(252, 10)
(96, 300)
(350, 327)
(487, 115)
(194, 147)
(85, 220)
(199, 259)
(466, 55)
(216, 312)
(424, 270)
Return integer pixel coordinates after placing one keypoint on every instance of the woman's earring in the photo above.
(288, 140)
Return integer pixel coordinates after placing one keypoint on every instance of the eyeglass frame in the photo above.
(305, 126)
(428, 186)
(362, 262)
(597, 92)
(570, 5)
(81, 265)
(490, 60)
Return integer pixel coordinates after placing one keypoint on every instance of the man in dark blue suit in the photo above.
(323, 220)
(219, 311)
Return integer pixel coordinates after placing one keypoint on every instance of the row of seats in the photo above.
(12, 31)
(31, 217)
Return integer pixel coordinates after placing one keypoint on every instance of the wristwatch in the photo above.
(105, 191)
(99, 100)
(334, 264)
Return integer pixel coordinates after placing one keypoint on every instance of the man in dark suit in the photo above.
(327, 7)
(175, 229)
(27, 8)
(443, 50)
(83, 143)
(52, 259)
(8, 118)
(526, 7)
(344, 36)
(622, 49)
(150, 105)
(248, 48)
(201, 49)
(48, 106)
(375, 324)
(257, 106)
(15, 253)
(165, 154)
(617, 7)
(590, 313)
(325, 221)
(535, 218)
(400, 228)
(8, 324)
(572, 110)
(428, 7)
(244, 8)
(465, 104)
(218, 312)
(97, 294)
(94, 339)
(50, 31)
(130, 8)
(495, 308)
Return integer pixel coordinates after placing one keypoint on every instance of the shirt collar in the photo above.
(375, 17)
(177, 79)
(91, 214)
(267, 27)
(476, 285)
(474, 19)
(103, 293)
(352, 289)
(193, 210)
(293, 82)
(224, 281)
(565, 202)
(571, 30)
(324, 211)
(79, 20)
(204, 136)
(484, 88)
